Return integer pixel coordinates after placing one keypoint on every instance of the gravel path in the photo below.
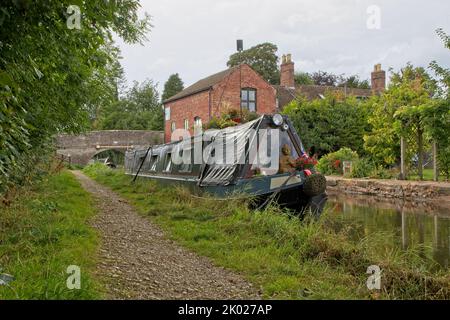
(139, 262)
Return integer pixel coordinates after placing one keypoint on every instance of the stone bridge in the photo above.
(81, 148)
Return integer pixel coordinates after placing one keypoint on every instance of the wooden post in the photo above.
(420, 152)
(402, 158)
(435, 165)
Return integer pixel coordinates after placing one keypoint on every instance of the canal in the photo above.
(406, 225)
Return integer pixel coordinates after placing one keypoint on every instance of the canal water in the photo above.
(426, 227)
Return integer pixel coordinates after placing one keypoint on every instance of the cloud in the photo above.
(195, 38)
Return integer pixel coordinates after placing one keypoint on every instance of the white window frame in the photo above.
(167, 113)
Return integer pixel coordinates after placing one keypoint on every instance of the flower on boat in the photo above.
(305, 162)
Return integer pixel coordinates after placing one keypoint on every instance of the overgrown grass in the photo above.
(427, 176)
(44, 231)
(286, 257)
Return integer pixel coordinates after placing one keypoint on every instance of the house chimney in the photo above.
(378, 79)
(287, 71)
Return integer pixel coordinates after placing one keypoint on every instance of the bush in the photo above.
(230, 118)
(97, 168)
(331, 123)
(382, 173)
(362, 168)
(75, 166)
(332, 162)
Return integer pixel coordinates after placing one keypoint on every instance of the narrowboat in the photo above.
(264, 159)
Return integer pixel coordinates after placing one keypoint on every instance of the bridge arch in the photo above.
(115, 155)
(81, 148)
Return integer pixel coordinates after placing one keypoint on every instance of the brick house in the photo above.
(211, 96)
(242, 87)
(288, 90)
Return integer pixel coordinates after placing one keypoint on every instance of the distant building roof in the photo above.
(202, 85)
(284, 94)
(311, 92)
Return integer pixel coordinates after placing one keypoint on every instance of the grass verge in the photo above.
(43, 232)
(287, 258)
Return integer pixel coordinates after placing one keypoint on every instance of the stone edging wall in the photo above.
(411, 190)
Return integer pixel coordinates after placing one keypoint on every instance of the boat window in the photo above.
(146, 164)
(264, 167)
(197, 123)
(168, 163)
(286, 139)
(153, 162)
(186, 167)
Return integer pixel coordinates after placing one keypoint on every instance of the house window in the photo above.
(167, 113)
(248, 99)
(198, 122)
(186, 124)
(172, 126)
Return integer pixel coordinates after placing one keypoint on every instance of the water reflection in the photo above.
(411, 224)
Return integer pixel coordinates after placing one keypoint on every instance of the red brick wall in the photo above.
(225, 94)
(189, 107)
(287, 75)
(378, 81)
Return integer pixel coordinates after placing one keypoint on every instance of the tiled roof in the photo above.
(286, 95)
(202, 85)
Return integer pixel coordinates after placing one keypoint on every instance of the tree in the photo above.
(303, 78)
(331, 123)
(51, 73)
(322, 78)
(434, 118)
(172, 86)
(262, 58)
(396, 113)
(442, 73)
(107, 85)
(353, 81)
(382, 143)
(139, 109)
(437, 116)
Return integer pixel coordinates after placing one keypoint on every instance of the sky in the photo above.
(194, 38)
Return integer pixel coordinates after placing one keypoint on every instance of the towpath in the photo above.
(137, 261)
